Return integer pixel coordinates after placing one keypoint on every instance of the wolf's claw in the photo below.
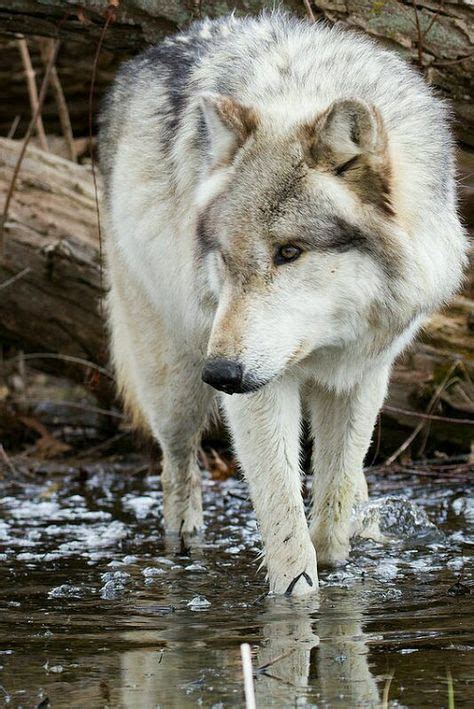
(291, 586)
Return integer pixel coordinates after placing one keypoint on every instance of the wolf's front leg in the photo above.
(266, 431)
(342, 426)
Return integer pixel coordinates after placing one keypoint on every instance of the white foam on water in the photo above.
(199, 603)
(142, 506)
(66, 590)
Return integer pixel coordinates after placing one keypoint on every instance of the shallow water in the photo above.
(97, 611)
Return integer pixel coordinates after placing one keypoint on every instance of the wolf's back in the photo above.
(284, 67)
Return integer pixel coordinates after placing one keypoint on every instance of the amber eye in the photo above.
(287, 254)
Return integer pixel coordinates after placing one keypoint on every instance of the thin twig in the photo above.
(379, 439)
(78, 406)
(449, 62)
(14, 278)
(266, 665)
(419, 36)
(13, 127)
(433, 401)
(407, 11)
(449, 679)
(4, 457)
(46, 47)
(309, 10)
(386, 690)
(434, 18)
(100, 447)
(248, 676)
(110, 16)
(66, 358)
(426, 417)
(26, 140)
(30, 75)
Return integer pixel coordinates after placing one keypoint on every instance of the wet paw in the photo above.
(330, 558)
(331, 552)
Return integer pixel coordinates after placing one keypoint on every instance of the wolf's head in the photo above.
(296, 229)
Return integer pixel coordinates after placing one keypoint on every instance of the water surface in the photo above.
(97, 611)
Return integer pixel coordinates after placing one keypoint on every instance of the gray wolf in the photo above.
(281, 218)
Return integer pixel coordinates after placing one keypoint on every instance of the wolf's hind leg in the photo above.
(342, 426)
(160, 380)
(180, 411)
(266, 430)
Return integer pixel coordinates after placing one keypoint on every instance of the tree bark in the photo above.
(437, 35)
(50, 283)
(50, 291)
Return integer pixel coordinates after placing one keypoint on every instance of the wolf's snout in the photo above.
(224, 375)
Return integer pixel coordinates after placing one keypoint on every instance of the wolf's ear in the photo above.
(229, 124)
(348, 128)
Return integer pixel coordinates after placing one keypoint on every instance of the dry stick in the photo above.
(407, 12)
(66, 358)
(467, 376)
(46, 48)
(427, 431)
(13, 127)
(386, 690)
(448, 62)
(434, 18)
(433, 401)
(270, 663)
(26, 140)
(379, 439)
(110, 16)
(248, 676)
(309, 11)
(419, 36)
(100, 446)
(14, 278)
(6, 460)
(32, 90)
(76, 405)
(426, 417)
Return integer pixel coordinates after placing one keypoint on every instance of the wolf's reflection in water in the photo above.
(320, 651)
(311, 651)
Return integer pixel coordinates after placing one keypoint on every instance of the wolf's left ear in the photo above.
(349, 128)
(229, 124)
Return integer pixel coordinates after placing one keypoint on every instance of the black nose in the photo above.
(224, 375)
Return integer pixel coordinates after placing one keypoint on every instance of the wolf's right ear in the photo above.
(229, 124)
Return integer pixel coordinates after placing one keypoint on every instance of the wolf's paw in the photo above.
(295, 588)
(181, 523)
(330, 552)
(294, 580)
(192, 523)
(301, 585)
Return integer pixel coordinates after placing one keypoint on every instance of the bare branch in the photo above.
(46, 47)
(30, 75)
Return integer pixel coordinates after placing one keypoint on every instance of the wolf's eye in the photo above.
(287, 253)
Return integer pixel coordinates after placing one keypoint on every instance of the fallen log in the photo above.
(50, 292)
(50, 281)
(436, 35)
